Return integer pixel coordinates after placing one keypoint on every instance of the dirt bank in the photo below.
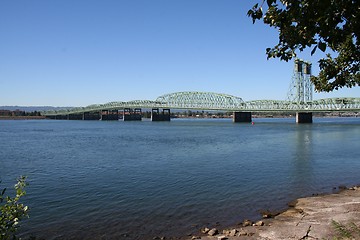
(310, 218)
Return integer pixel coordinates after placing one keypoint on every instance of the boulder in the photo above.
(222, 237)
(269, 214)
(242, 232)
(233, 233)
(205, 230)
(247, 223)
(259, 223)
(213, 232)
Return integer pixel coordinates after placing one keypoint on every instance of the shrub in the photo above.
(12, 211)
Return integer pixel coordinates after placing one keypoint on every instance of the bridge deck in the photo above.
(221, 102)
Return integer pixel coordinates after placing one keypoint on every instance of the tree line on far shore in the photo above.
(18, 113)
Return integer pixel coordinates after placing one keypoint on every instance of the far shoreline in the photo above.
(22, 117)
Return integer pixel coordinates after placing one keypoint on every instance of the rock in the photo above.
(233, 233)
(247, 223)
(205, 230)
(195, 237)
(269, 214)
(292, 203)
(342, 187)
(222, 237)
(213, 232)
(259, 223)
(242, 232)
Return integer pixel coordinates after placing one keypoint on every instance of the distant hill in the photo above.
(32, 108)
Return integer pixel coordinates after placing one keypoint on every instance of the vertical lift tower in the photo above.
(301, 90)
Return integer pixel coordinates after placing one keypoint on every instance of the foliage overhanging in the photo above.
(331, 26)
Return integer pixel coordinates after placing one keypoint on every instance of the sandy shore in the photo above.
(309, 218)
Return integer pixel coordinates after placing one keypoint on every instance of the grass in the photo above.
(348, 231)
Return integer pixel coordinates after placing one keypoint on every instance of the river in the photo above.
(138, 180)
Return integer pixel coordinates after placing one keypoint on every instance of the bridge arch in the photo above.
(201, 100)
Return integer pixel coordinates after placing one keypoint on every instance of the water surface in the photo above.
(138, 180)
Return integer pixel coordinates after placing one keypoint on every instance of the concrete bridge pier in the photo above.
(91, 116)
(75, 116)
(242, 117)
(156, 116)
(62, 117)
(132, 115)
(109, 115)
(304, 117)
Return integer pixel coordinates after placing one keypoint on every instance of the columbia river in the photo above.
(138, 180)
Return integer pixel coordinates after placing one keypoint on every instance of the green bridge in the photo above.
(299, 101)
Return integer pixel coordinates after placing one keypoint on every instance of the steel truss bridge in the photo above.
(221, 102)
(299, 99)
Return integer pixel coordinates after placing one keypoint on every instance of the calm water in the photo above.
(137, 180)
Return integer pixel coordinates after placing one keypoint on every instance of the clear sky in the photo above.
(82, 52)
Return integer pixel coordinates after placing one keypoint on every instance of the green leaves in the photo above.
(313, 51)
(12, 211)
(322, 46)
(270, 2)
(342, 71)
(255, 13)
(318, 25)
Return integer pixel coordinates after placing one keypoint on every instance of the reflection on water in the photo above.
(303, 172)
(138, 180)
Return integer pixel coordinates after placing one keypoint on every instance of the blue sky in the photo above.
(77, 53)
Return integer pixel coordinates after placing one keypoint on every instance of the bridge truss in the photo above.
(299, 99)
(221, 102)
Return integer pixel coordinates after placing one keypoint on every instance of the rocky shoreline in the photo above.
(332, 216)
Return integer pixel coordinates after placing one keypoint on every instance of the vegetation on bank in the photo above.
(18, 113)
(349, 231)
(330, 26)
(12, 211)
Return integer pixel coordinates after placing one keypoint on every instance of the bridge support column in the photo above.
(244, 117)
(132, 115)
(61, 117)
(75, 116)
(91, 116)
(110, 115)
(156, 116)
(304, 117)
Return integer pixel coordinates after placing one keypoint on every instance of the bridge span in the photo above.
(131, 110)
(299, 100)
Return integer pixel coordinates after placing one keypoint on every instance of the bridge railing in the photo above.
(328, 104)
(220, 102)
